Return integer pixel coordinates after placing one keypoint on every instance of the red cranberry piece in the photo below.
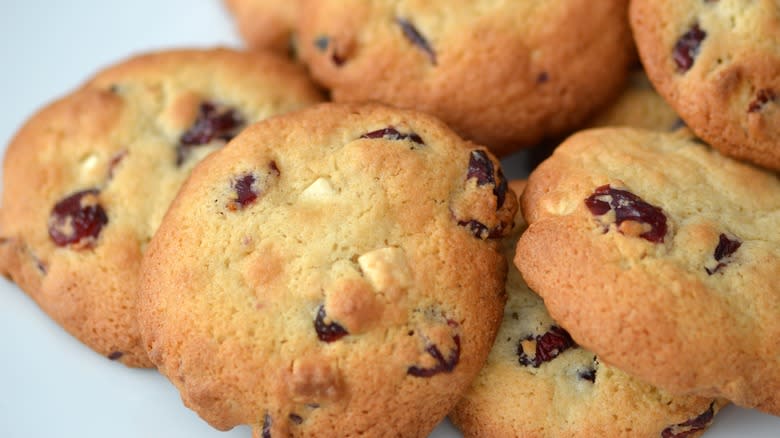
(295, 418)
(480, 231)
(481, 168)
(77, 217)
(214, 122)
(245, 195)
(115, 355)
(328, 332)
(542, 77)
(415, 37)
(548, 347)
(390, 133)
(763, 97)
(245, 189)
(725, 248)
(628, 207)
(443, 365)
(691, 426)
(266, 426)
(687, 48)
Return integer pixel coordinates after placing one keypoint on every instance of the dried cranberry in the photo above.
(115, 355)
(481, 168)
(725, 248)
(415, 37)
(480, 231)
(214, 122)
(548, 347)
(328, 332)
(692, 426)
(687, 48)
(542, 77)
(245, 194)
(390, 133)
(628, 207)
(337, 59)
(443, 365)
(763, 97)
(77, 217)
(266, 426)
(295, 418)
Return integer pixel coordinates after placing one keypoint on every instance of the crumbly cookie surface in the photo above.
(266, 24)
(505, 74)
(333, 272)
(538, 382)
(639, 106)
(661, 256)
(88, 178)
(718, 64)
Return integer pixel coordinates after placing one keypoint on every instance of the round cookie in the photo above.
(718, 64)
(266, 24)
(88, 178)
(638, 107)
(538, 383)
(505, 74)
(661, 256)
(334, 272)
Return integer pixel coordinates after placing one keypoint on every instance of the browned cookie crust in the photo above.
(88, 179)
(330, 273)
(662, 257)
(717, 63)
(505, 74)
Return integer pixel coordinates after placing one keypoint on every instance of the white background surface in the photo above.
(51, 385)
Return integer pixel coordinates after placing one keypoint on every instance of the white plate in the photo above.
(50, 384)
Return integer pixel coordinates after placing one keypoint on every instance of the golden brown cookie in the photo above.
(504, 74)
(717, 63)
(333, 272)
(661, 256)
(88, 179)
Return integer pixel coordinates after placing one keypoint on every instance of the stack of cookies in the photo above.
(364, 267)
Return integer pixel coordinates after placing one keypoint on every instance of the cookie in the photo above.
(334, 272)
(538, 382)
(504, 75)
(718, 64)
(639, 106)
(266, 24)
(88, 178)
(662, 256)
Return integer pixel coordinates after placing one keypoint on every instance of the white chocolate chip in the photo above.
(319, 190)
(386, 268)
